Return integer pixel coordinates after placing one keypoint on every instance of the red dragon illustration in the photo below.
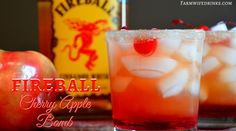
(86, 32)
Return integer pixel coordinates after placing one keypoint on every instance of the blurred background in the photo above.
(19, 29)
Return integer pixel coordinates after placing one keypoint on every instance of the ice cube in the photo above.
(226, 54)
(221, 26)
(125, 41)
(233, 29)
(199, 59)
(203, 94)
(169, 45)
(199, 54)
(148, 67)
(209, 64)
(114, 67)
(194, 88)
(206, 49)
(120, 83)
(114, 64)
(174, 84)
(228, 74)
(233, 42)
(188, 51)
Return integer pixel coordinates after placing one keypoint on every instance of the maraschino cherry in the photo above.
(203, 27)
(230, 23)
(145, 46)
(181, 22)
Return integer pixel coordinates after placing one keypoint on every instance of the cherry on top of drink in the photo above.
(181, 22)
(145, 46)
(203, 27)
(230, 23)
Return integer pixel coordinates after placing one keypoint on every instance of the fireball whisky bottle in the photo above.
(78, 47)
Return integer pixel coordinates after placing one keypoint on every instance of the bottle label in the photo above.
(80, 49)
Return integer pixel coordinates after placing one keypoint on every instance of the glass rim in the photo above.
(221, 32)
(157, 30)
(162, 33)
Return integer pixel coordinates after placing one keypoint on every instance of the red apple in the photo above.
(24, 65)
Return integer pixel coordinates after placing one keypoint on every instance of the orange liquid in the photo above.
(220, 102)
(219, 93)
(142, 104)
(217, 98)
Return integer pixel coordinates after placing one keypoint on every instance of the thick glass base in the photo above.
(217, 117)
(168, 126)
(216, 123)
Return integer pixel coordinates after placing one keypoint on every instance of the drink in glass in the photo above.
(155, 78)
(218, 83)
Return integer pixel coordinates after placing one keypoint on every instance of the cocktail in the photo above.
(155, 78)
(218, 83)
